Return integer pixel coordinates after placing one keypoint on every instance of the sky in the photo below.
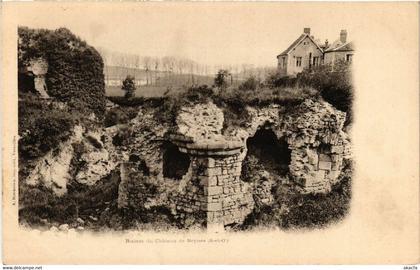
(209, 33)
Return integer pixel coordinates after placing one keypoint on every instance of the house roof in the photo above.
(337, 46)
(297, 41)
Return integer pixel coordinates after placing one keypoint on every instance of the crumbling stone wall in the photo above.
(211, 191)
(319, 145)
(314, 132)
(86, 157)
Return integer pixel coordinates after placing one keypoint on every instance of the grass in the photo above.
(292, 210)
(141, 91)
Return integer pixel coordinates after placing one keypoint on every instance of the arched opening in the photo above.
(26, 82)
(266, 152)
(175, 163)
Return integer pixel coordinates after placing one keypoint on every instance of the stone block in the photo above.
(214, 206)
(215, 190)
(324, 165)
(337, 149)
(211, 162)
(335, 158)
(204, 180)
(221, 180)
(333, 176)
(323, 157)
(316, 178)
(214, 171)
(227, 204)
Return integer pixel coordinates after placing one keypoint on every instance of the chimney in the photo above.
(343, 36)
(307, 30)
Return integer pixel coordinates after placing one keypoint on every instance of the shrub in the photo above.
(41, 128)
(293, 210)
(114, 117)
(119, 115)
(252, 83)
(170, 104)
(220, 80)
(75, 69)
(277, 80)
(197, 94)
(266, 96)
(128, 86)
(334, 84)
(134, 101)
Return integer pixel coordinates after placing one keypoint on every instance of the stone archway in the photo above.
(265, 152)
(26, 82)
(175, 163)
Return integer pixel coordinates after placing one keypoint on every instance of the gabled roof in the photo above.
(339, 47)
(297, 42)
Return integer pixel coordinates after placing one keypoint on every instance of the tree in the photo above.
(220, 80)
(156, 61)
(129, 86)
(147, 63)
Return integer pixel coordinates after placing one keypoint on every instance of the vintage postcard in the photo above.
(210, 133)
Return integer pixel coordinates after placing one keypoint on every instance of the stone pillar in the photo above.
(227, 199)
(224, 198)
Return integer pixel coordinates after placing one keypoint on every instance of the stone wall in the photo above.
(86, 157)
(212, 192)
(215, 186)
(314, 133)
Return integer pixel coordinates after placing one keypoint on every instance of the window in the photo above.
(349, 57)
(298, 61)
(315, 61)
(283, 61)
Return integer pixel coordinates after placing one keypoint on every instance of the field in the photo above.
(141, 91)
(171, 82)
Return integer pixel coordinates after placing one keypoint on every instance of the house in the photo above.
(341, 49)
(303, 52)
(306, 52)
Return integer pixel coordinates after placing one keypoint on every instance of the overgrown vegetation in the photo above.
(42, 127)
(333, 82)
(119, 115)
(128, 86)
(233, 101)
(75, 69)
(252, 83)
(293, 210)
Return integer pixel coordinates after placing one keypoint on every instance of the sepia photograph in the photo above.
(223, 119)
(117, 140)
